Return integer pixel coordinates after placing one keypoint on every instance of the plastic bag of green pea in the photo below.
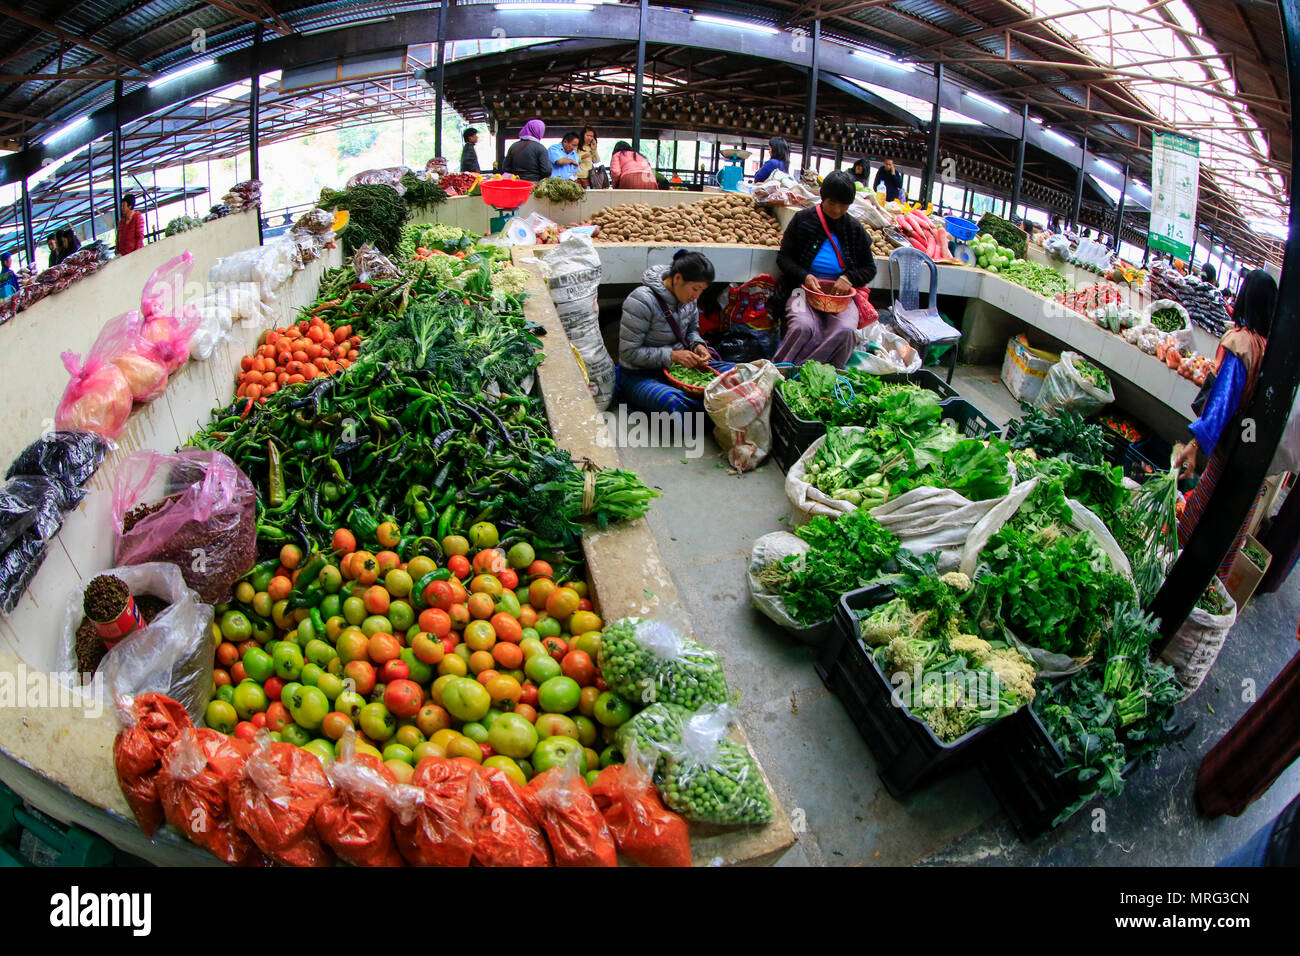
(702, 773)
(650, 661)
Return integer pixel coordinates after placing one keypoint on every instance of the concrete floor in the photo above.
(705, 524)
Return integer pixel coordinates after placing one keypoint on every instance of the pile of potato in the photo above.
(880, 246)
(727, 218)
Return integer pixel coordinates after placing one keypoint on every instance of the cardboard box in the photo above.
(1244, 574)
(1024, 368)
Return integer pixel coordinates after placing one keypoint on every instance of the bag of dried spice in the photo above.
(194, 509)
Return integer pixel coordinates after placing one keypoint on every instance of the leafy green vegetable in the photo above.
(376, 215)
(1090, 373)
(1062, 433)
(1149, 535)
(559, 190)
(1005, 233)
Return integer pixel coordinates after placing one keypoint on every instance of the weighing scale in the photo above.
(505, 196)
(729, 177)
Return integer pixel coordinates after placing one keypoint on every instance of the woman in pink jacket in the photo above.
(630, 170)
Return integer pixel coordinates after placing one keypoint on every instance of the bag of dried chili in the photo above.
(431, 821)
(356, 821)
(644, 830)
(275, 799)
(560, 801)
(151, 723)
(505, 832)
(194, 786)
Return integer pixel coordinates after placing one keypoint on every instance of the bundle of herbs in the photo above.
(1061, 433)
(376, 215)
(1149, 535)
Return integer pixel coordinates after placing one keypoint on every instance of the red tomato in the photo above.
(600, 682)
(396, 669)
(259, 719)
(509, 578)
(507, 628)
(579, 666)
(557, 647)
(526, 711)
(434, 620)
(245, 730)
(529, 695)
(277, 717)
(585, 605)
(459, 565)
(403, 697)
(237, 672)
(489, 561)
(221, 677)
(449, 644)
(540, 569)
(487, 750)
(273, 686)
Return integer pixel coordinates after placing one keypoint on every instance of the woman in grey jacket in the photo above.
(648, 343)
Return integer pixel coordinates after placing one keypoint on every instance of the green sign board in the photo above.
(1175, 182)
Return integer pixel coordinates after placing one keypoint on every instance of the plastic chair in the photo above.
(922, 327)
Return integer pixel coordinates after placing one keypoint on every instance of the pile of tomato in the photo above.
(487, 657)
(296, 353)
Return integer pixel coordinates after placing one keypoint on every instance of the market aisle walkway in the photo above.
(705, 524)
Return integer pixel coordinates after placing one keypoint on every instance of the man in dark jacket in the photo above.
(892, 179)
(808, 256)
(528, 159)
(468, 155)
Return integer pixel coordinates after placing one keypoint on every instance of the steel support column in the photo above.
(441, 79)
(29, 237)
(1267, 410)
(1119, 209)
(254, 116)
(1020, 161)
(810, 110)
(1078, 187)
(90, 186)
(640, 73)
(932, 151)
(117, 149)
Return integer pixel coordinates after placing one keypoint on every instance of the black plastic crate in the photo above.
(924, 378)
(1026, 772)
(908, 754)
(1139, 467)
(791, 435)
(968, 419)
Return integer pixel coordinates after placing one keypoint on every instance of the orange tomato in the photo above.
(562, 603)
(352, 645)
(540, 569)
(480, 606)
(279, 588)
(539, 591)
(459, 615)
(479, 636)
(388, 560)
(344, 541)
(436, 621)
(376, 599)
(507, 628)
(383, 648)
(365, 567)
(527, 616)
(508, 655)
(480, 661)
(458, 565)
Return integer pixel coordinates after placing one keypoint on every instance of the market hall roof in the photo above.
(63, 58)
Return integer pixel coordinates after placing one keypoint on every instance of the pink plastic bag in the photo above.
(207, 526)
(167, 322)
(866, 311)
(99, 397)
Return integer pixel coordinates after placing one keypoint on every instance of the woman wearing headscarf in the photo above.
(528, 158)
(628, 169)
(1216, 432)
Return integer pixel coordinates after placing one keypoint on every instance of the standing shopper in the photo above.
(52, 243)
(68, 242)
(528, 158)
(469, 155)
(629, 169)
(8, 278)
(778, 162)
(130, 227)
(1258, 749)
(860, 174)
(823, 242)
(660, 327)
(892, 180)
(588, 155)
(564, 157)
(1216, 432)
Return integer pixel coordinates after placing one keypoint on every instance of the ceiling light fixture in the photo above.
(735, 24)
(65, 130)
(884, 61)
(185, 71)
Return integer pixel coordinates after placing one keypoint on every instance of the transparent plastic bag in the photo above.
(505, 831)
(275, 800)
(769, 549)
(208, 528)
(171, 655)
(574, 826)
(644, 830)
(355, 820)
(99, 396)
(709, 778)
(1064, 388)
(70, 456)
(370, 264)
(653, 660)
(194, 785)
(390, 176)
(151, 723)
(431, 818)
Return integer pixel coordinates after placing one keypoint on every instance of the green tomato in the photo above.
(226, 692)
(521, 555)
(288, 660)
(466, 699)
(311, 674)
(531, 644)
(331, 605)
(235, 626)
(288, 690)
(306, 632)
(542, 668)
(376, 721)
(308, 707)
(421, 672)
(399, 752)
(610, 756)
(261, 578)
(318, 652)
(509, 603)
(398, 583)
(612, 710)
(557, 695)
(293, 734)
(322, 748)
(354, 611)
(484, 535)
(401, 615)
(513, 736)
(548, 627)
(476, 732)
(258, 664)
(490, 718)
(556, 752)
(591, 776)
(250, 699)
(331, 579)
(331, 685)
(351, 703)
(587, 730)
(221, 716)
(376, 624)
(264, 633)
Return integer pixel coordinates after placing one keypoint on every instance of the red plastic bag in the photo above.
(151, 723)
(560, 801)
(644, 830)
(275, 800)
(208, 528)
(194, 786)
(431, 820)
(356, 821)
(867, 313)
(99, 397)
(505, 832)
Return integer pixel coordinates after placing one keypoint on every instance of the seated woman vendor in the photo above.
(660, 328)
(823, 242)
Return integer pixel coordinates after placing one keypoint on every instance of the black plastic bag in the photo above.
(37, 503)
(741, 343)
(18, 566)
(70, 456)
